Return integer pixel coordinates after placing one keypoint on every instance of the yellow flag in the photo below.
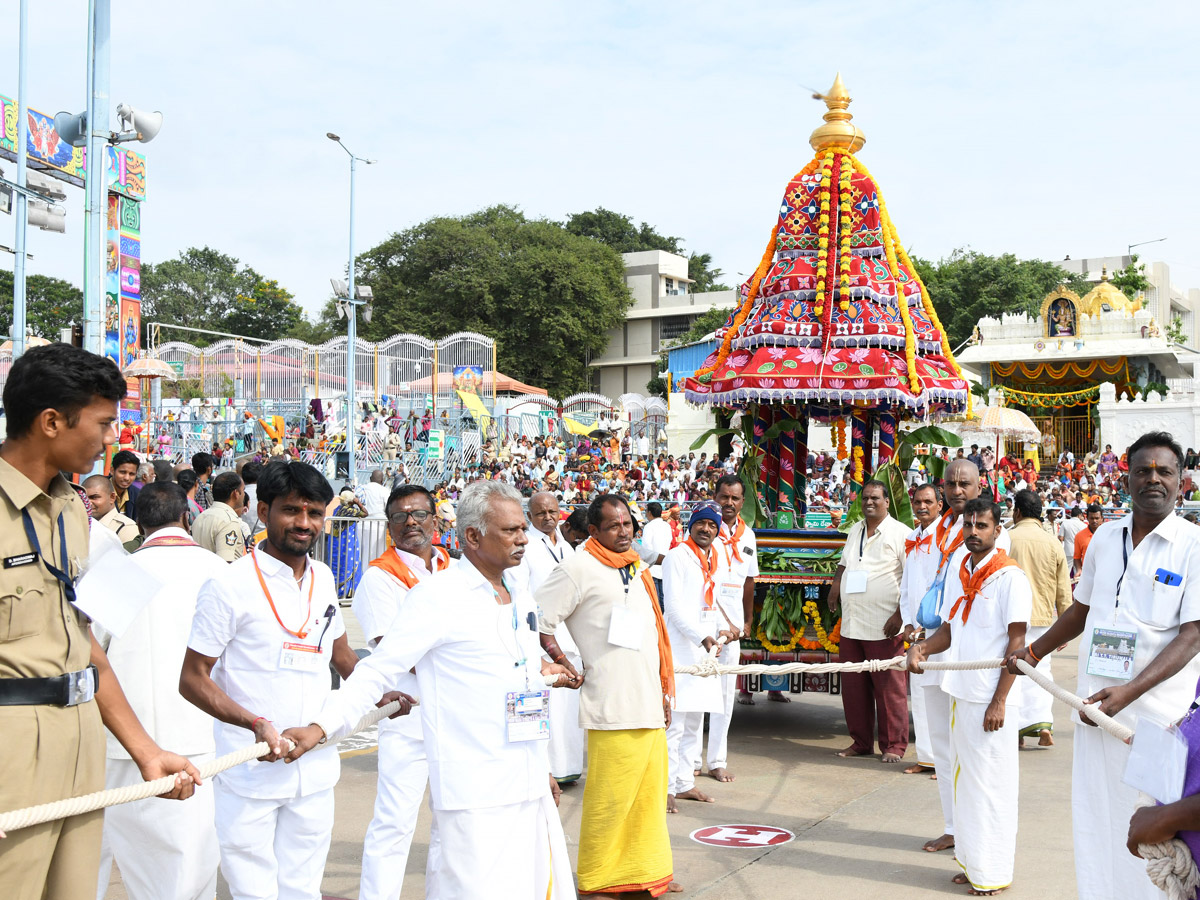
(574, 426)
(477, 409)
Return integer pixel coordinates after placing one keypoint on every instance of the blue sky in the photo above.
(1038, 128)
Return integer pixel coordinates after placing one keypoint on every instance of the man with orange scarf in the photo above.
(693, 574)
(987, 606)
(403, 767)
(607, 599)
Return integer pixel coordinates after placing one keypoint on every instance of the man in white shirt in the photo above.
(472, 635)
(920, 566)
(1071, 526)
(866, 588)
(264, 635)
(374, 497)
(403, 768)
(164, 851)
(736, 541)
(697, 614)
(987, 607)
(656, 537)
(546, 550)
(1138, 592)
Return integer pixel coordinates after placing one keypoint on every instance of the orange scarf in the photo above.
(391, 563)
(911, 545)
(730, 538)
(973, 583)
(709, 568)
(943, 529)
(629, 560)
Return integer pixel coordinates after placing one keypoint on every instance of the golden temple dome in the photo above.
(1106, 296)
(837, 133)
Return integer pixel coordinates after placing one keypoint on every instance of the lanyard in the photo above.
(62, 575)
(312, 579)
(520, 657)
(862, 542)
(550, 549)
(1124, 567)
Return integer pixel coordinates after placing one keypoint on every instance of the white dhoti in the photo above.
(567, 737)
(986, 779)
(165, 850)
(685, 743)
(1101, 807)
(512, 852)
(937, 719)
(403, 776)
(718, 722)
(273, 849)
(924, 747)
(1037, 705)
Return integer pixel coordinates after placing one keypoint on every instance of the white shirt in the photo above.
(881, 557)
(747, 547)
(541, 556)
(656, 537)
(1005, 598)
(235, 623)
(148, 655)
(1153, 610)
(1069, 529)
(920, 568)
(689, 621)
(374, 497)
(377, 601)
(466, 651)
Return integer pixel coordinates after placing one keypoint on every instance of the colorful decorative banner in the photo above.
(859, 430)
(468, 379)
(1039, 371)
(887, 437)
(801, 460)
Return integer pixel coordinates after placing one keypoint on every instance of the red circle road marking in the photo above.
(742, 836)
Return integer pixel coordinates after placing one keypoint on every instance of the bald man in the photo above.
(547, 549)
(103, 497)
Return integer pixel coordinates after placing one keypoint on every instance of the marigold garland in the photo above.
(858, 465)
(828, 642)
(778, 648)
(764, 266)
(839, 438)
(823, 231)
(845, 224)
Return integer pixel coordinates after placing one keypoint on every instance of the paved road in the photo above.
(859, 824)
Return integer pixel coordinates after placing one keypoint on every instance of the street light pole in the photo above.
(95, 200)
(22, 210)
(352, 304)
(1129, 249)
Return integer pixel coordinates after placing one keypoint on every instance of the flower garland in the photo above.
(764, 266)
(839, 438)
(778, 648)
(823, 232)
(858, 465)
(1082, 370)
(827, 641)
(1070, 398)
(845, 223)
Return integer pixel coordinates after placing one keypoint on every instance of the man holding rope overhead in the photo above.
(1137, 606)
(987, 606)
(271, 620)
(472, 635)
(61, 406)
(608, 599)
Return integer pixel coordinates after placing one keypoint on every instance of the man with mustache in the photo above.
(271, 620)
(403, 767)
(1137, 594)
(920, 564)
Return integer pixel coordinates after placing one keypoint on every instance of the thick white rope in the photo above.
(74, 806)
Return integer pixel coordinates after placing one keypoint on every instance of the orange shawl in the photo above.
(708, 567)
(629, 560)
(396, 567)
(973, 583)
(730, 537)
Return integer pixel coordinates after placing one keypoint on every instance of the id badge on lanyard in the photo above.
(1111, 651)
(527, 715)
(625, 626)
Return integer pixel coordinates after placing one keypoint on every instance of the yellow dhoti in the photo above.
(623, 839)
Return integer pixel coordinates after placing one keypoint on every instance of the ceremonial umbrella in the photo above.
(147, 368)
(1001, 422)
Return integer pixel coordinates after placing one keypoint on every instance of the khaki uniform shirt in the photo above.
(123, 526)
(219, 529)
(1041, 556)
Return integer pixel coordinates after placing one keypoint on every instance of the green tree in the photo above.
(968, 285)
(51, 304)
(704, 278)
(1131, 280)
(706, 323)
(267, 311)
(547, 295)
(619, 232)
(204, 288)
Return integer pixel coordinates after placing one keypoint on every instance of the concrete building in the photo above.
(1163, 300)
(664, 308)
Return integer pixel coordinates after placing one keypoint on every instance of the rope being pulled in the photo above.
(74, 806)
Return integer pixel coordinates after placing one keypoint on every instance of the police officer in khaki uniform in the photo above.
(219, 528)
(61, 406)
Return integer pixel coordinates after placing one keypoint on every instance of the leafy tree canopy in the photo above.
(546, 294)
(706, 323)
(204, 288)
(967, 286)
(51, 304)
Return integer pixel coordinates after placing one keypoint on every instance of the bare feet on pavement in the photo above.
(694, 794)
(1045, 739)
(850, 751)
(674, 888)
(720, 774)
(745, 698)
(945, 842)
(892, 757)
(916, 769)
(778, 697)
(671, 807)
